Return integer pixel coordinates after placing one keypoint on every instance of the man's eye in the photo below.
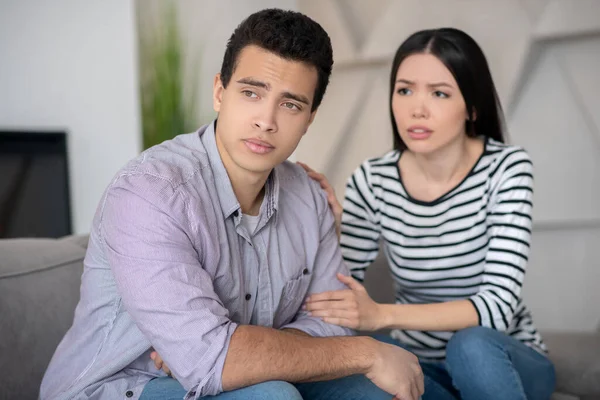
(249, 93)
(291, 106)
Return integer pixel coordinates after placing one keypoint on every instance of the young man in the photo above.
(204, 248)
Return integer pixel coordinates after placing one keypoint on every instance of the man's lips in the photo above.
(258, 146)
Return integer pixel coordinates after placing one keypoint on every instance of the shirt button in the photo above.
(192, 394)
(248, 296)
(129, 393)
(305, 272)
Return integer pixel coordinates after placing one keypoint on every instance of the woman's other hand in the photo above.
(334, 204)
(352, 308)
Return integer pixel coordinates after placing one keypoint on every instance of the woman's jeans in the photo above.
(483, 363)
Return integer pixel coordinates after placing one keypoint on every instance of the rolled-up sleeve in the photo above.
(163, 286)
(328, 262)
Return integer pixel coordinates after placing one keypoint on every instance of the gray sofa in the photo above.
(39, 289)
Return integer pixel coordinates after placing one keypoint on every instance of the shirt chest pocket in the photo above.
(292, 296)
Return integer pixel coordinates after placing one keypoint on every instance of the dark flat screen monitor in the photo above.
(34, 184)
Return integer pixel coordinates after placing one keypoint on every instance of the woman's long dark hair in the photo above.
(465, 60)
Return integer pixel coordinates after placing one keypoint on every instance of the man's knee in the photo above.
(354, 387)
(275, 390)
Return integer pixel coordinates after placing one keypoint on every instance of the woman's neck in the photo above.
(449, 163)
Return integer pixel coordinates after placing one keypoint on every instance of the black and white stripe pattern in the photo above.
(471, 243)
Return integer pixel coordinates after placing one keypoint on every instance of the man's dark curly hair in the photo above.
(290, 35)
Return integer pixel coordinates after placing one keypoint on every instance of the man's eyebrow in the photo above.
(288, 95)
(254, 82)
(298, 97)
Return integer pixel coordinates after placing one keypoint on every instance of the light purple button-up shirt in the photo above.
(170, 266)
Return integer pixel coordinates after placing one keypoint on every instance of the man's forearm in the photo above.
(258, 354)
(296, 332)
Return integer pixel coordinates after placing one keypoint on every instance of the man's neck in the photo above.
(248, 186)
(249, 189)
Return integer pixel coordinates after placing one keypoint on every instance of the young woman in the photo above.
(452, 205)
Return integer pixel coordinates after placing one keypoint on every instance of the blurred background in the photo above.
(85, 86)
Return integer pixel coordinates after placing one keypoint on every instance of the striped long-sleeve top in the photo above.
(471, 243)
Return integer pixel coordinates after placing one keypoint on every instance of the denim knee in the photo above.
(276, 390)
(470, 345)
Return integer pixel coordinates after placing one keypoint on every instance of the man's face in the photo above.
(264, 111)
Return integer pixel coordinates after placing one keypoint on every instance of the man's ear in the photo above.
(217, 93)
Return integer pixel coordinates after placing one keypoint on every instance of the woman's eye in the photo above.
(403, 91)
(441, 95)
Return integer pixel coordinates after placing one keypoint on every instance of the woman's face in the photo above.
(428, 106)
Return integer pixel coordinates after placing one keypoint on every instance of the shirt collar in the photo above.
(228, 202)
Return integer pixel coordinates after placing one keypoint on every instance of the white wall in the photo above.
(68, 64)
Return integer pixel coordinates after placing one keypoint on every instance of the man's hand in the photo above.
(351, 308)
(159, 364)
(390, 367)
(397, 371)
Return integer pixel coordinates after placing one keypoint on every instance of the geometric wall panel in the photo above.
(562, 18)
(358, 99)
(329, 14)
(369, 132)
(580, 60)
(345, 95)
(535, 9)
(552, 122)
(502, 28)
(561, 285)
(545, 57)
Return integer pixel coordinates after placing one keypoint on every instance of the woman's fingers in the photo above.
(331, 295)
(350, 282)
(332, 199)
(317, 176)
(351, 315)
(159, 363)
(331, 305)
(341, 322)
(306, 167)
(157, 359)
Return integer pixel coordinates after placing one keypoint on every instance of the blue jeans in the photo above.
(482, 363)
(169, 389)
(355, 387)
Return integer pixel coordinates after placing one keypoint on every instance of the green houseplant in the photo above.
(167, 107)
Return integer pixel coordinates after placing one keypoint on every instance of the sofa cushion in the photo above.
(39, 289)
(576, 357)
